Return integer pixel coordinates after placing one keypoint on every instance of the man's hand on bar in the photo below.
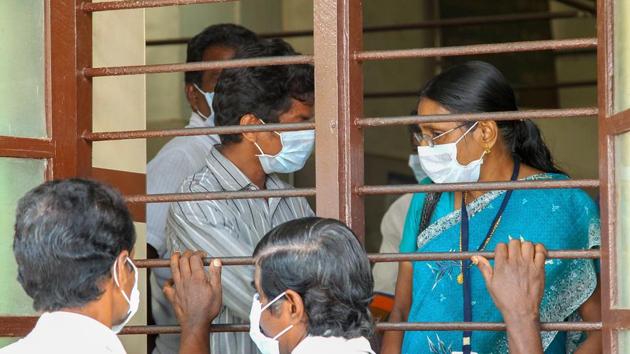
(517, 285)
(196, 296)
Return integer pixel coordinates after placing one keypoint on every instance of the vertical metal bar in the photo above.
(338, 101)
(70, 103)
(606, 172)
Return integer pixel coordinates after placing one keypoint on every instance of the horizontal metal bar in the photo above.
(479, 186)
(363, 122)
(447, 22)
(471, 117)
(478, 49)
(197, 66)
(390, 326)
(139, 4)
(182, 197)
(230, 129)
(389, 257)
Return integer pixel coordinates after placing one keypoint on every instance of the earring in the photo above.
(487, 150)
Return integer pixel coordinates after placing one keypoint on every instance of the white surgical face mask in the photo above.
(133, 300)
(209, 96)
(297, 147)
(416, 167)
(265, 344)
(441, 165)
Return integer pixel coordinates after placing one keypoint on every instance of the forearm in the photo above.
(392, 340)
(524, 335)
(195, 340)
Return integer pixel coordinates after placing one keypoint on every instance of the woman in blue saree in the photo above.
(453, 291)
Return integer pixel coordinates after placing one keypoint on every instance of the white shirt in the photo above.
(392, 225)
(179, 158)
(333, 345)
(68, 333)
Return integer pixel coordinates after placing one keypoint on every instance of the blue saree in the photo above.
(559, 219)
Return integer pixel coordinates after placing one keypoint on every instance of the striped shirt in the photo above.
(224, 228)
(178, 159)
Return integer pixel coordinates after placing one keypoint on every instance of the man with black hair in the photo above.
(183, 156)
(73, 246)
(243, 162)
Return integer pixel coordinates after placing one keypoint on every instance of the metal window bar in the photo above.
(388, 257)
(140, 4)
(389, 326)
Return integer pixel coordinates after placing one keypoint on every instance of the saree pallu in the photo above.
(559, 219)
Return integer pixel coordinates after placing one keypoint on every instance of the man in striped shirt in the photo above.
(243, 162)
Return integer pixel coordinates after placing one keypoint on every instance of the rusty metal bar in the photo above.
(478, 49)
(139, 4)
(196, 66)
(448, 22)
(467, 117)
(390, 257)
(389, 326)
(182, 197)
(230, 129)
(479, 186)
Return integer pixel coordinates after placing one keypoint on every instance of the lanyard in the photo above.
(467, 338)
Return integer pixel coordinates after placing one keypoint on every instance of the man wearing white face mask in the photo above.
(73, 245)
(244, 162)
(183, 156)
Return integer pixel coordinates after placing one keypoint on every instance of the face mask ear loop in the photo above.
(466, 133)
(272, 301)
(203, 93)
(117, 283)
(282, 332)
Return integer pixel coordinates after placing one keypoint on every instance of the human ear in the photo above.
(250, 119)
(192, 96)
(489, 132)
(297, 312)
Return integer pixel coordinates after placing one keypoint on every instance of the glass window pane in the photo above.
(622, 170)
(624, 342)
(622, 55)
(17, 176)
(22, 60)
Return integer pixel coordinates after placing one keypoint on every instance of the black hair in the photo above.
(322, 260)
(477, 87)
(221, 35)
(266, 92)
(68, 234)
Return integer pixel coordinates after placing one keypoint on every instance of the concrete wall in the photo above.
(119, 103)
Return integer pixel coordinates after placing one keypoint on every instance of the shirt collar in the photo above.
(83, 328)
(231, 178)
(312, 344)
(196, 121)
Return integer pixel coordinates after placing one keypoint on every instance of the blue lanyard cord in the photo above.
(467, 336)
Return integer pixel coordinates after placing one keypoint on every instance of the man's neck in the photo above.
(245, 159)
(96, 310)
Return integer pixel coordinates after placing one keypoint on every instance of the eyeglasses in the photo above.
(419, 138)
